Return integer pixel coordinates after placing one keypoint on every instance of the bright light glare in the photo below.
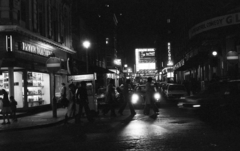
(196, 105)
(135, 98)
(214, 53)
(86, 44)
(157, 96)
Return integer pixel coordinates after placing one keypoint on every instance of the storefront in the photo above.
(23, 56)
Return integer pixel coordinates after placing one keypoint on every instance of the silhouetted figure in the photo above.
(82, 100)
(127, 98)
(149, 100)
(13, 104)
(6, 109)
(71, 105)
(110, 99)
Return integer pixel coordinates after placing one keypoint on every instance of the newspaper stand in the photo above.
(90, 81)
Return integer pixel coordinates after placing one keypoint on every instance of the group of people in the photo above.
(124, 96)
(77, 97)
(8, 106)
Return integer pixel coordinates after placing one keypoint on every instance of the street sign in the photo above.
(53, 64)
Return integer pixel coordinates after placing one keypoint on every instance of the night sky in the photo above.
(143, 23)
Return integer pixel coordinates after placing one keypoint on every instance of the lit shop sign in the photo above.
(34, 49)
(221, 21)
(145, 59)
(86, 77)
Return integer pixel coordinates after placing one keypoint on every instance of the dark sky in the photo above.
(142, 22)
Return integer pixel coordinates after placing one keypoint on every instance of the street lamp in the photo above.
(86, 44)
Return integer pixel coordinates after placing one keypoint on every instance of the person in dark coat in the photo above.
(6, 110)
(13, 104)
(110, 99)
(82, 100)
(127, 100)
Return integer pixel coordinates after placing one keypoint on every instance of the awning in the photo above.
(194, 62)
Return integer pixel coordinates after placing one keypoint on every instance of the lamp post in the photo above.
(86, 44)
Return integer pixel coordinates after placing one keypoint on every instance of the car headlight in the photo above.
(135, 98)
(157, 96)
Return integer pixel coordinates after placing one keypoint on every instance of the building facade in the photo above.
(30, 32)
(219, 34)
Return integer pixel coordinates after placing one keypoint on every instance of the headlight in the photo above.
(135, 98)
(157, 96)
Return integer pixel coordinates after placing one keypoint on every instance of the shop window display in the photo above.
(37, 89)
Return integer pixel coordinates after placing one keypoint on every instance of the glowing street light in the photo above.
(86, 44)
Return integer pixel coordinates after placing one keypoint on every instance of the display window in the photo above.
(38, 88)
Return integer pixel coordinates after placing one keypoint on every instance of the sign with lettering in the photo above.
(145, 59)
(34, 49)
(221, 21)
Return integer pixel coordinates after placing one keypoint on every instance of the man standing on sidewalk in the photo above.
(126, 96)
(82, 100)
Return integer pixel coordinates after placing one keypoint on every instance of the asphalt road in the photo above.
(173, 130)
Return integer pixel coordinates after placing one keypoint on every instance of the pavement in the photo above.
(46, 119)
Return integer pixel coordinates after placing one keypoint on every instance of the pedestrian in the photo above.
(63, 99)
(82, 100)
(110, 99)
(149, 101)
(13, 104)
(6, 109)
(71, 105)
(127, 100)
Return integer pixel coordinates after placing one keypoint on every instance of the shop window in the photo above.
(38, 89)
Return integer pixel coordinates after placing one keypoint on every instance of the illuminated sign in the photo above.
(86, 77)
(34, 49)
(221, 21)
(169, 51)
(145, 59)
(118, 62)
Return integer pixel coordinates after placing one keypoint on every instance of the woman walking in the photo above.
(6, 110)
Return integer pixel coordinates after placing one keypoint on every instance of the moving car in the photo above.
(218, 99)
(175, 91)
(138, 95)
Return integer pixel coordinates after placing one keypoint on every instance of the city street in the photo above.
(173, 129)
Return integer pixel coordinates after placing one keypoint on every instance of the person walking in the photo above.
(13, 104)
(63, 99)
(127, 100)
(110, 99)
(82, 100)
(150, 104)
(71, 105)
(6, 109)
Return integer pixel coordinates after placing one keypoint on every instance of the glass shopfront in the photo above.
(37, 87)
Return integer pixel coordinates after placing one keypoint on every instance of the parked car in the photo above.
(218, 100)
(175, 91)
(138, 95)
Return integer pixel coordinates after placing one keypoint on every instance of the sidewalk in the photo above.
(45, 119)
